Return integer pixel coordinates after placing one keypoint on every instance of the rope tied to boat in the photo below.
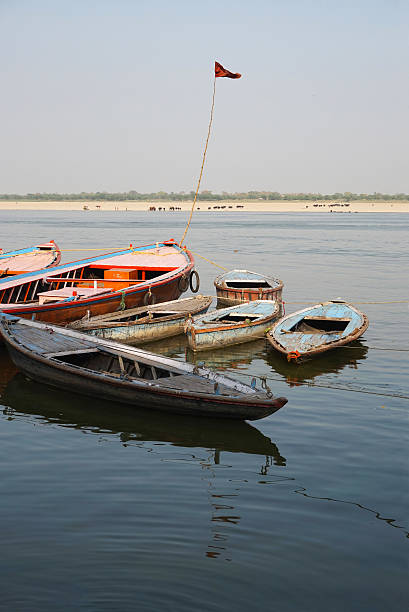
(265, 386)
(293, 356)
(122, 305)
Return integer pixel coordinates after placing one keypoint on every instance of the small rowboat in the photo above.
(76, 362)
(145, 323)
(233, 325)
(238, 286)
(317, 329)
(30, 259)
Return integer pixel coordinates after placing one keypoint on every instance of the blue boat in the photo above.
(317, 329)
(233, 325)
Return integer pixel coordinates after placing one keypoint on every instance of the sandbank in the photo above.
(279, 206)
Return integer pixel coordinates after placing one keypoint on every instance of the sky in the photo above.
(115, 95)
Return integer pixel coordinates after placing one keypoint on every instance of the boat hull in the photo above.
(94, 384)
(141, 334)
(65, 313)
(219, 338)
(232, 297)
(203, 334)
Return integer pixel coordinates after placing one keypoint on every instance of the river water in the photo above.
(107, 509)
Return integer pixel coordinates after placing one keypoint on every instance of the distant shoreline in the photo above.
(216, 206)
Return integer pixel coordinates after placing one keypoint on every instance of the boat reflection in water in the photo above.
(28, 397)
(135, 428)
(331, 362)
(241, 356)
(231, 357)
(7, 369)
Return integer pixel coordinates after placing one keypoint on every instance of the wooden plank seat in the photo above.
(55, 295)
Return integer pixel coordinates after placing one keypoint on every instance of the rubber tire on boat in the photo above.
(194, 288)
(149, 299)
(183, 283)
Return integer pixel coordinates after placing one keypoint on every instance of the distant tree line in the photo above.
(203, 196)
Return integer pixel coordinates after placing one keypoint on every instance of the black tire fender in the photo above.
(194, 281)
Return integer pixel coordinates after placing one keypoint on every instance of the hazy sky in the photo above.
(113, 95)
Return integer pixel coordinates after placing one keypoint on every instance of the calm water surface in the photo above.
(103, 508)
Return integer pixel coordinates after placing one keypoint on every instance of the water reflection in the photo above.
(25, 397)
(331, 362)
(241, 356)
(7, 368)
(28, 397)
(234, 357)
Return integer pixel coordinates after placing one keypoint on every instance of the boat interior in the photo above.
(45, 247)
(247, 284)
(84, 281)
(114, 364)
(320, 325)
(149, 315)
(235, 317)
(128, 368)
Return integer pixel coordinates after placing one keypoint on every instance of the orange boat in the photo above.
(114, 281)
(30, 259)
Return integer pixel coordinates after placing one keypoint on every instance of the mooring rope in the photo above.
(203, 163)
(312, 384)
(210, 261)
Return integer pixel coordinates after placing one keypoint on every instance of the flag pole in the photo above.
(203, 162)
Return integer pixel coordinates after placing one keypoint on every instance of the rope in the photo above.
(380, 302)
(203, 162)
(357, 348)
(297, 302)
(210, 261)
(312, 384)
(100, 249)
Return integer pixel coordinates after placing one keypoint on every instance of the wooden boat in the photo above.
(145, 323)
(317, 329)
(122, 279)
(238, 286)
(70, 360)
(233, 325)
(32, 258)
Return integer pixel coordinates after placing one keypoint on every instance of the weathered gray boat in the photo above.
(79, 363)
(145, 323)
(317, 329)
(233, 325)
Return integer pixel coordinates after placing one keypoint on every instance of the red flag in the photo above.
(219, 71)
